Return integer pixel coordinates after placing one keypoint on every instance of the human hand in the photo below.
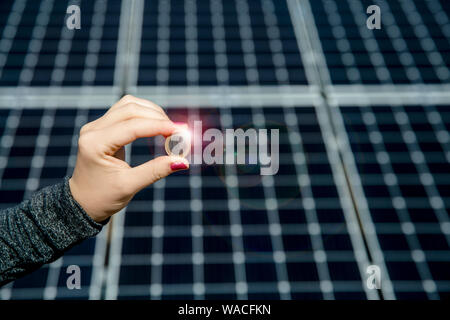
(102, 182)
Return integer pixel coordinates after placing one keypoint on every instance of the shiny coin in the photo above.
(179, 143)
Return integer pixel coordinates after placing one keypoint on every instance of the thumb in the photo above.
(156, 169)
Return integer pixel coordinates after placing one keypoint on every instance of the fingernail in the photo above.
(178, 166)
(181, 123)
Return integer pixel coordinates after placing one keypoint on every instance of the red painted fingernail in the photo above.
(178, 166)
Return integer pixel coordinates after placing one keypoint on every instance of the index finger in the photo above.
(123, 133)
(129, 99)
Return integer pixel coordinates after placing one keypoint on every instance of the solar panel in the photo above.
(402, 154)
(364, 152)
(411, 47)
(234, 42)
(37, 49)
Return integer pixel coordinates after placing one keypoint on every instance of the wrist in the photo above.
(77, 196)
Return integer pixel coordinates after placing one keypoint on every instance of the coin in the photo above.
(179, 143)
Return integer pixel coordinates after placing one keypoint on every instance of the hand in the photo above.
(102, 182)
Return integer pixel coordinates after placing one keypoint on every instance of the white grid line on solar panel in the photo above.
(235, 96)
(222, 234)
(58, 97)
(375, 95)
(90, 97)
(348, 59)
(192, 62)
(157, 246)
(402, 204)
(233, 202)
(168, 97)
(39, 48)
(11, 183)
(195, 183)
(223, 229)
(405, 255)
(213, 205)
(228, 288)
(226, 258)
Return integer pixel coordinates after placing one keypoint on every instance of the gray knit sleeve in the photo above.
(40, 230)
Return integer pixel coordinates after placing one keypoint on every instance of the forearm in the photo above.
(40, 230)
